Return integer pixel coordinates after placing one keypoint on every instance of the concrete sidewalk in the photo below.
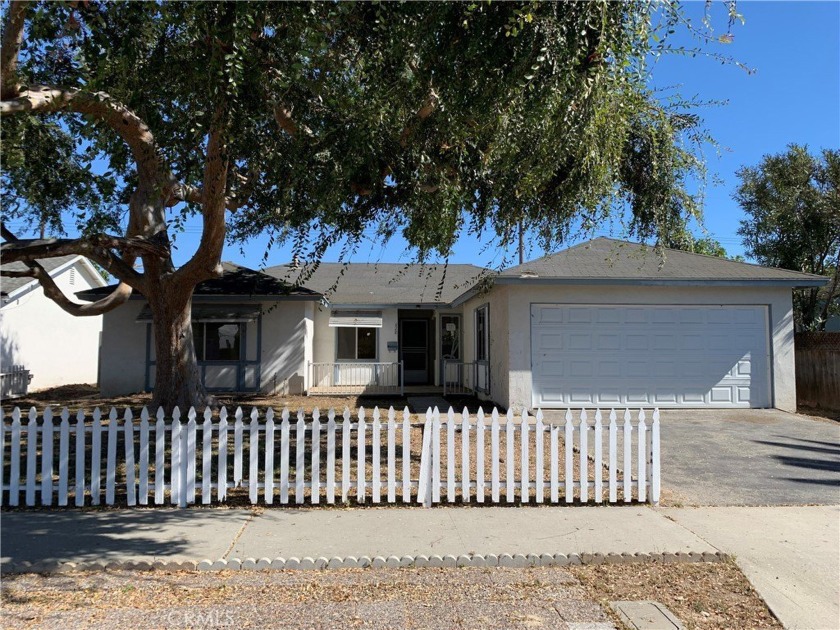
(197, 534)
(790, 554)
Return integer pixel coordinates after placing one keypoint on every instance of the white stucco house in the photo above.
(36, 334)
(605, 323)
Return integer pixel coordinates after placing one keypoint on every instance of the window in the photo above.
(217, 341)
(482, 334)
(356, 344)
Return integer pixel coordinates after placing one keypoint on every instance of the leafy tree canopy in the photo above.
(313, 121)
(792, 202)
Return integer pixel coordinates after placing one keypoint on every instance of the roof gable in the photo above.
(10, 285)
(603, 259)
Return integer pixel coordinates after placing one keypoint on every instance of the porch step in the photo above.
(419, 404)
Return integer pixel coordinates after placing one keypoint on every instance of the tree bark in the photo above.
(177, 378)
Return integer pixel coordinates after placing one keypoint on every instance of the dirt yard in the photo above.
(87, 397)
(704, 596)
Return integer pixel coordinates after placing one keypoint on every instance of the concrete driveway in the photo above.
(749, 457)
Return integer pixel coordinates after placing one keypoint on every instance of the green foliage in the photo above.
(792, 202)
(424, 119)
(687, 242)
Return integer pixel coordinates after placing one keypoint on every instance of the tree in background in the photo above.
(792, 202)
(687, 242)
(311, 122)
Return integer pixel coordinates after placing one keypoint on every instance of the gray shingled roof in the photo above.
(7, 285)
(611, 259)
(237, 281)
(385, 283)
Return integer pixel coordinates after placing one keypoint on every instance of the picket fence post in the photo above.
(424, 486)
(221, 483)
(509, 457)
(376, 478)
(268, 492)
(315, 494)
(284, 456)
(628, 464)
(14, 459)
(47, 459)
(435, 455)
(539, 434)
(331, 456)
(206, 456)
(406, 456)
(642, 444)
(392, 453)
(144, 457)
(465, 456)
(300, 453)
(479, 455)
(524, 490)
(160, 452)
(253, 457)
(31, 450)
(599, 458)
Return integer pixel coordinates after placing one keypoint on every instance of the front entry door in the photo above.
(414, 350)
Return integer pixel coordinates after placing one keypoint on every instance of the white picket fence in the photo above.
(330, 458)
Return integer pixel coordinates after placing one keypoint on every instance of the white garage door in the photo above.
(668, 356)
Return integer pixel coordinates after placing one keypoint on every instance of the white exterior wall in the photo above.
(325, 342)
(516, 378)
(286, 346)
(500, 340)
(56, 347)
(123, 353)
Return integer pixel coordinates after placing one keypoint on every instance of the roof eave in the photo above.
(718, 282)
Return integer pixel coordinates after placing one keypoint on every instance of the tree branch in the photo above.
(119, 296)
(129, 126)
(29, 249)
(205, 263)
(10, 47)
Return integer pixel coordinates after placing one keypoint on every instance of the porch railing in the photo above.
(465, 378)
(14, 381)
(342, 378)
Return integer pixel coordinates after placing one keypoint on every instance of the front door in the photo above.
(414, 351)
(450, 349)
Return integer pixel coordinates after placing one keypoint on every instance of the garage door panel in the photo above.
(650, 355)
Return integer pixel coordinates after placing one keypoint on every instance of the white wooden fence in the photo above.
(332, 458)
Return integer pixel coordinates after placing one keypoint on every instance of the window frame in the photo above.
(201, 350)
(356, 344)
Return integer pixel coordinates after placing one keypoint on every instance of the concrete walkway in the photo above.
(790, 554)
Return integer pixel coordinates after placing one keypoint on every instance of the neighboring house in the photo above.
(605, 323)
(252, 333)
(56, 348)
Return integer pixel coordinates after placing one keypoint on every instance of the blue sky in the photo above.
(793, 96)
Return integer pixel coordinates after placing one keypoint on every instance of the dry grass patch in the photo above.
(702, 595)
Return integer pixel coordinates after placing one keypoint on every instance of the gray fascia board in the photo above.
(222, 298)
(385, 305)
(690, 282)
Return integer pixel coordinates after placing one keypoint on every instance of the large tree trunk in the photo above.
(177, 378)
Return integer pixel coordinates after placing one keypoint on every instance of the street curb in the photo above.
(351, 562)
